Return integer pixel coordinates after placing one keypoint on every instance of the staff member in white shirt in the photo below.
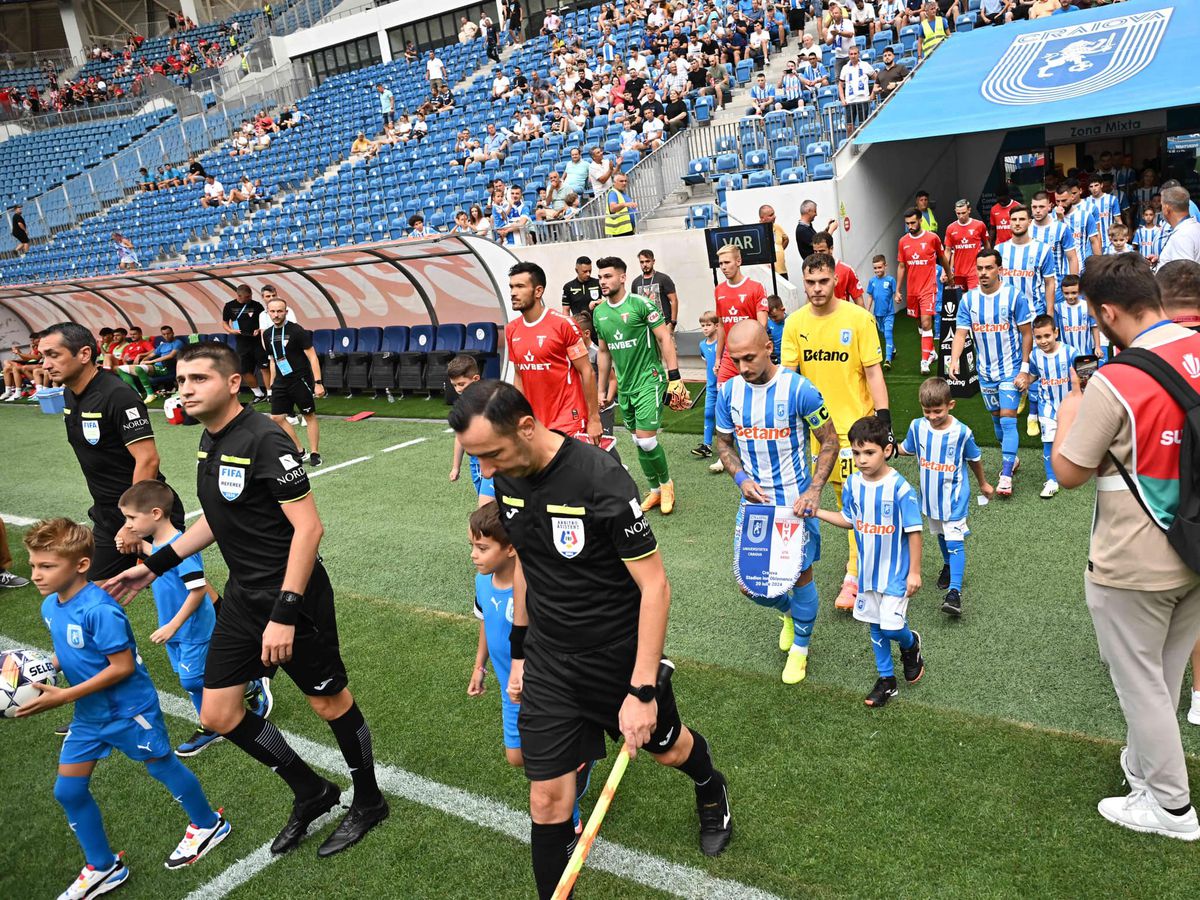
(1184, 242)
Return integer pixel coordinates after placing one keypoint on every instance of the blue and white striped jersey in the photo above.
(792, 88)
(882, 513)
(1075, 326)
(1053, 371)
(1058, 237)
(770, 423)
(766, 92)
(1084, 224)
(1150, 240)
(1108, 210)
(942, 457)
(1025, 267)
(994, 321)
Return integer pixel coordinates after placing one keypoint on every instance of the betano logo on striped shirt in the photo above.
(989, 327)
(937, 466)
(872, 528)
(759, 433)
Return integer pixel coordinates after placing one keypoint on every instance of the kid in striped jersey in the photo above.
(1149, 238)
(1053, 362)
(1076, 326)
(944, 446)
(1118, 239)
(881, 509)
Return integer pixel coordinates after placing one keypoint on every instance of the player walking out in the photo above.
(278, 605)
(635, 340)
(764, 418)
(737, 298)
(295, 378)
(998, 317)
(1081, 219)
(550, 360)
(590, 602)
(965, 237)
(833, 343)
(918, 255)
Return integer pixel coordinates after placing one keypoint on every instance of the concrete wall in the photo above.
(786, 200)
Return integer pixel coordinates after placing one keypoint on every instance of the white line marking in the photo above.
(19, 521)
(402, 446)
(324, 470)
(624, 862)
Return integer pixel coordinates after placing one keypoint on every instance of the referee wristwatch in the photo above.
(644, 692)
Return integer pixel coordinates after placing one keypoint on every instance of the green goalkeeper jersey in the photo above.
(627, 329)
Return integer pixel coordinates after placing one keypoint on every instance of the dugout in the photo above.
(448, 280)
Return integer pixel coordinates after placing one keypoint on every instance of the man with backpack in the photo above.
(1135, 425)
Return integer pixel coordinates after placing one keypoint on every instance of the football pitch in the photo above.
(979, 781)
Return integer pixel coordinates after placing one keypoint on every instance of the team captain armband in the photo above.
(817, 417)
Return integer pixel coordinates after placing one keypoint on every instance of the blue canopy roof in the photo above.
(1089, 64)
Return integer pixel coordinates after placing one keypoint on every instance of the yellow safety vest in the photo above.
(617, 223)
(929, 221)
(933, 36)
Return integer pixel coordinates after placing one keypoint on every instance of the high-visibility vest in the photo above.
(621, 222)
(933, 36)
(928, 221)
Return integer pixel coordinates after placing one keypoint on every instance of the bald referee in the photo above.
(278, 607)
(590, 602)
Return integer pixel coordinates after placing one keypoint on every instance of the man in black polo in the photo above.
(581, 293)
(658, 287)
(109, 430)
(590, 606)
(278, 605)
(240, 318)
(295, 377)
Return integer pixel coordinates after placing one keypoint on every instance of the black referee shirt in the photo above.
(574, 525)
(101, 423)
(245, 314)
(578, 296)
(245, 471)
(288, 343)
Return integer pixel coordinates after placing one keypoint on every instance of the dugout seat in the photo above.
(358, 363)
(448, 342)
(483, 339)
(410, 370)
(383, 362)
(322, 341)
(333, 366)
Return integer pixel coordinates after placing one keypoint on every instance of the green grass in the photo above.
(980, 781)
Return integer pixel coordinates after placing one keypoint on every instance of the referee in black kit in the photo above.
(109, 430)
(240, 317)
(278, 604)
(590, 604)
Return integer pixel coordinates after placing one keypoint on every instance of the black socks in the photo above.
(551, 846)
(354, 739)
(264, 742)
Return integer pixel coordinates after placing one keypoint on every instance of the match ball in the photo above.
(174, 410)
(19, 671)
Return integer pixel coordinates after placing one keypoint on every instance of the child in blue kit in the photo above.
(776, 316)
(1052, 362)
(708, 352)
(116, 706)
(881, 509)
(460, 372)
(186, 615)
(882, 291)
(495, 561)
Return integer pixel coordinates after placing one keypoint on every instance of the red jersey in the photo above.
(847, 287)
(919, 253)
(965, 242)
(999, 221)
(736, 303)
(134, 349)
(542, 352)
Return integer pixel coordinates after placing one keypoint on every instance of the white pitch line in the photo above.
(402, 446)
(19, 521)
(624, 862)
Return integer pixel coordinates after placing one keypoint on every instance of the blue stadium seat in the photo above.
(410, 371)
(383, 361)
(794, 175)
(786, 158)
(358, 362)
(700, 216)
(448, 342)
(761, 179)
(822, 172)
(483, 341)
(698, 170)
(333, 366)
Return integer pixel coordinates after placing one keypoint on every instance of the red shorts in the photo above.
(967, 282)
(922, 304)
(727, 370)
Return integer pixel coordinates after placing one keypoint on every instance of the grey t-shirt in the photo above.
(658, 287)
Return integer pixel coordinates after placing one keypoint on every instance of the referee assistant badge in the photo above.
(91, 431)
(231, 480)
(568, 536)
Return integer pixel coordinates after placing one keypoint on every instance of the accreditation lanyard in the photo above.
(281, 364)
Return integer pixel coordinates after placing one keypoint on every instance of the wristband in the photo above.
(163, 560)
(885, 416)
(1025, 368)
(672, 374)
(516, 641)
(287, 608)
(739, 477)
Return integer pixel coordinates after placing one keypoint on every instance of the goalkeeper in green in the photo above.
(636, 341)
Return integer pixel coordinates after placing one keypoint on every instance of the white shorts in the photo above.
(887, 612)
(950, 529)
(1049, 428)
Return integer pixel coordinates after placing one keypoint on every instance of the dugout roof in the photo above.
(1091, 64)
(454, 278)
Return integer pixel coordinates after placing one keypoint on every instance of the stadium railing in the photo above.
(651, 180)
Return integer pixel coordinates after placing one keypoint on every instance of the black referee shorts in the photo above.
(107, 561)
(288, 393)
(235, 651)
(249, 349)
(570, 699)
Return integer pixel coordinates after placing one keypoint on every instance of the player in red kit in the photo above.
(738, 298)
(846, 285)
(999, 217)
(965, 237)
(917, 257)
(550, 360)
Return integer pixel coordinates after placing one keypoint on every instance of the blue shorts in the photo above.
(187, 660)
(485, 488)
(999, 395)
(509, 710)
(141, 738)
(812, 553)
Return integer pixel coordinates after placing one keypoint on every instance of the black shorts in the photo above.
(107, 561)
(291, 392)
(570, 699)
(248, 350)
(235, 650)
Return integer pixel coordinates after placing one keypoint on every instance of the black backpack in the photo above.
(1184, 533)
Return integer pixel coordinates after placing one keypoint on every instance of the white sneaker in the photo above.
(197, 842)
(93, 882)
(11, 397)
(717, 468)
(1135, 783)
(1193, 715)
(1004, 486)
(1049, 489)
(924, 367)
(293, 420)
(1141, 812)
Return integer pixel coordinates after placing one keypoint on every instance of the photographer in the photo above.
(1143, 599)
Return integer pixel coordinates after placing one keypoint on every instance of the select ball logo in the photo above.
(19, 671)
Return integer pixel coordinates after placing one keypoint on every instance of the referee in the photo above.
(590, 606)
(278, 606)
(295, 376)
(109, 430)
(241, 318)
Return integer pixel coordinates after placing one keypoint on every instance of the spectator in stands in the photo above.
(763, 98)
(501, 85)
(410, 52)
(480, 225)
(621, 218)
(435, 72)
(863, 18)
(839, 35)
(515, 16)
(214, 192)
(467, 30)
(994, 12)
(15, 368)
(891, 76)
(387, 103)
(676, 114)
(19, 231)
(403, 131)
(245, 191)
(461, 224)
(416, 228)
(759, 46)
(127, 259)
(516, 219)
(653, 127)
(444, 98)
(146, 182)
(420, 128)
(1040, 9)
(813, 74)
(195, 171)
(363, 147)
(856, 87)
(491, 37)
